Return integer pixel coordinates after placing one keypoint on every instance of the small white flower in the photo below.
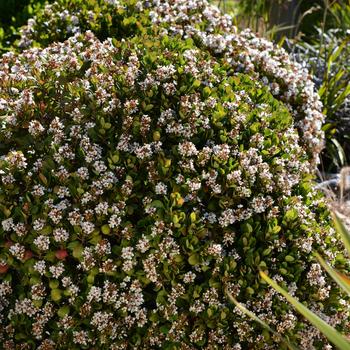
(17, 160)
(57, 270)
(187, 149)
(161, 188)
(42, 242)
(35, 128)
(189, 277)
(40, 266)
(87, 227)
(7, 224)
(60, 235)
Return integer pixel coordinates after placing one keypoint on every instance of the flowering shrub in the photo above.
(211, 31)
(140, 180)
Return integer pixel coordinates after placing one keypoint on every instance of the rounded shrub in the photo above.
(211, 31)
(141, 180)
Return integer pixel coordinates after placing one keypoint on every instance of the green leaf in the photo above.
(196, 83)
(78, 251)
(340, 151)
(148, 107)
(193, 259)
(164, 329)
(56, 294)
(63, 311)
(53, 284)
(206, 91)
(106, 230)
(193, 217)
(289, 258)
(335, 337)
(291, 215)
(157, 204)
(73, 244)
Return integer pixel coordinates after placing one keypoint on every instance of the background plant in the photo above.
(13, 15)
(326, 54)
(329, 62)
(318, 37)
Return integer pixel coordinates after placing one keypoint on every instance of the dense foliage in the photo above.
(142, 178)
